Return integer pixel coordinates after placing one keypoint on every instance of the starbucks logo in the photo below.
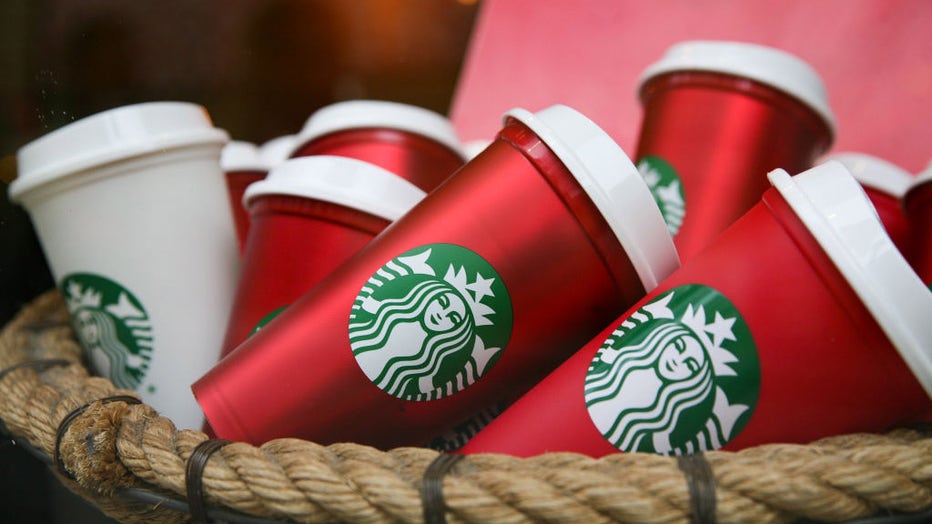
(112, 327)
(266, 319)
(667, 189)
(430, 322)
(678, 376)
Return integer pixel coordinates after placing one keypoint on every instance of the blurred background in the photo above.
(260, 67)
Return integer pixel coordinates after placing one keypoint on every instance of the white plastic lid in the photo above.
(358, 114)
(837, 212)
(238, 155)
(612, 183)
(766, 65)
(341, 180)
(923, 176)
(875, 172)
(112, 135)
(277, 150)
(472, 148)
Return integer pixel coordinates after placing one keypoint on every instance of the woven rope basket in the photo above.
(136, 466)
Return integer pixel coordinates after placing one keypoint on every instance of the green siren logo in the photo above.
(667, 189)
(112, 327)
(266, 319)
(678, 376)
(430, 322)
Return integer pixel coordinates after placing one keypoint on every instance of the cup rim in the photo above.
(837, 212)
(339, 180)
(358, 114)
(613, 184)
(113, 135)
(768, 65)
(874, 172)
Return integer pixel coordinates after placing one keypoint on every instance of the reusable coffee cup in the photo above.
(917, 203)
(308, 216)
(415, 143)
(131, 210)
(242, 165)
(800, 321)
(467, 300)
(885, 184)
(717, 116)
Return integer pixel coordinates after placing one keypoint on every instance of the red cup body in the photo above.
(420, 160)
(295, 243)
(557, 276)
(918, 207)
(714, 137)
(824, 365)
(237, 182)
(890, 211)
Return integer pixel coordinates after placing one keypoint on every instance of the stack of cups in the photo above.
(131, 209)
(917, 203)
(308, 216)
(416, 144)
(242, 164)
(470, 298)
(717, 116)
(885, 185)
(800, 321)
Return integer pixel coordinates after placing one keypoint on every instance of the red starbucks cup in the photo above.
(469, 298)
(415, 143)
(800, 321)
(242, 164)
(717, 116)
(917, 203)
(308, 216)
(885, 184)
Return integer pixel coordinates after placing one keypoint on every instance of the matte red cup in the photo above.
(717, 117)
(470, 298)
(242, 164)
(885, 184)
(308, 216)
(417, 144)
(800, 321)
(917, 203)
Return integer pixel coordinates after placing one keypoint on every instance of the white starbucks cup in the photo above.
(130, 207)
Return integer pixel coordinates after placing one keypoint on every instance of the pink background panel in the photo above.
(875, 57)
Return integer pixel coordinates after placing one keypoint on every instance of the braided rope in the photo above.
(117, 445)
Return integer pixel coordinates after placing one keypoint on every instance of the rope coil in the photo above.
(432, 487)
(71, 417)
(194, 474)
(121, 447)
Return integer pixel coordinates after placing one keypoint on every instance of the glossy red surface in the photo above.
(298, 376)
(294, 243)
(826, 366)
(918, 207)
(890, 211)
(418, 159)
(237, 182)
(723, 134)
